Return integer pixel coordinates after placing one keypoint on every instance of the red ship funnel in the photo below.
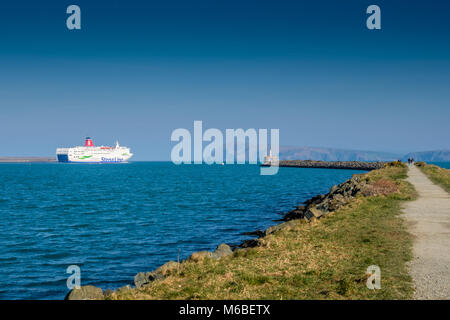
(88, 142)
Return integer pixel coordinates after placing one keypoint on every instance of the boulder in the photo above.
(284, 225)
(223, 250)
(166, 268)
(339, 198)
(143, 278)
(313, 212)
(85, 293)
(249, 243)
(295, 214)
(334, 205)
(276, 228)
(200, 255)
(108, 293)
(324, 205)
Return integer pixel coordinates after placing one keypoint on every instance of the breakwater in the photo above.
(314, 208)
(148, 220)
(351, 165)
(26, 159)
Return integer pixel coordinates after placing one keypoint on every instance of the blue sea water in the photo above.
(116, 220)
(445, 165)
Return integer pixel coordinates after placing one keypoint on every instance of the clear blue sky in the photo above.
(139, 69)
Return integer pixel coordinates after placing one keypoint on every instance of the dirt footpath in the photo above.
(429, 221)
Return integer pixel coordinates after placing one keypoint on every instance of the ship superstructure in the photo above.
(92, 154)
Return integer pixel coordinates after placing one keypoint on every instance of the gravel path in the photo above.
(429, 221)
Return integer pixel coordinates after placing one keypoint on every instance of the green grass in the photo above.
(436, 174)
(323, 259)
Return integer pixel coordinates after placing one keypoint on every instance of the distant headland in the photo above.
(313, 154)
(351, 165)
(26, 159)
(333, 154)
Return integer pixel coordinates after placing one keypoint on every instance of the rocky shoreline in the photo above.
(350, 165)
(314, 208)
(319, 206)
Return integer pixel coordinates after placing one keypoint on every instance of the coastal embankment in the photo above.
(351, 165)
(321, 250)
(26, 159)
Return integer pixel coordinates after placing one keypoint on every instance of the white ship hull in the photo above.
(91, 154)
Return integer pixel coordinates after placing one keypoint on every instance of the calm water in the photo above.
(116, 220)
(445, 165)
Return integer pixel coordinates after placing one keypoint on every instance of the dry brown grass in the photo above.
(395, 164)
(380, 187)
(438, 175)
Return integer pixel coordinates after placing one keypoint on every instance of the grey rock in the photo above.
(314, 212)
(324, 205)
(356, 165)
(276, 228)
(308, 215)
(107, 293)
(158, 276)
(85, 293)
(249, 243)
(295, 214)
(200, 255)
(143, 278)
(166, 268)
(222, 250)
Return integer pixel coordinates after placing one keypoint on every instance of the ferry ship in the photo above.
(92, 154)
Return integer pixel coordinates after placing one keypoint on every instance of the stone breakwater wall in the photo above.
(314, 208)
(352, 165)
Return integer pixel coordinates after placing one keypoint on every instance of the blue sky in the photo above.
(140, 69)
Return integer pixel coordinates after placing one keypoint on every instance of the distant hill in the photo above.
(436, 156)
(27, 159)
(331, 154)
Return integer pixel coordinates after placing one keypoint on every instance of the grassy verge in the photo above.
(436, 174)
(323, 259)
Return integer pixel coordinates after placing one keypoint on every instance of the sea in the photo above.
(115, 220)
(445, 165)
